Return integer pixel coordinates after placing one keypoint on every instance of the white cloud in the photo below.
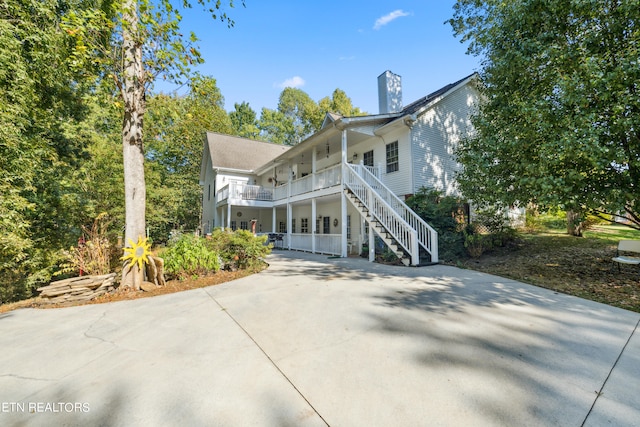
(295, 81)
(384, 20)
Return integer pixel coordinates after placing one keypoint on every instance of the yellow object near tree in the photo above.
(138, 252)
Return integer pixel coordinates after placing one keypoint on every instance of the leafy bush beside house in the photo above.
(458, 236)
(240, 248)
(187, 255)
(447, 215)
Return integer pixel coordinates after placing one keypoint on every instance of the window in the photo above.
(367, 158)
(282, 227)
(234, 225)
(348, 226)
(392, 157)
(209, 193)
(293, 225)
(326, 225)
(244, 225)
(304, 225)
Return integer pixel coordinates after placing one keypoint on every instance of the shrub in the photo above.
(475, 244)
(496, 223)
(239, 249)
(447, 215)
(94, 254)
(188, 255)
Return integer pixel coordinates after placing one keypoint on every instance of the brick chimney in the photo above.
(389, 92)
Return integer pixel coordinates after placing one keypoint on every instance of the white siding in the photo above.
(400, 181)
(435, 136)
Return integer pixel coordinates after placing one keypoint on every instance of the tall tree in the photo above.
(338, 103)
(41, 108)
(298, 116)
(275, 127)
(300, 109)
(560, 122)
(174, 130)
(244, 121)
(145, 43)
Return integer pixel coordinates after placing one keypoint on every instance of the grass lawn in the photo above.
(579, 266)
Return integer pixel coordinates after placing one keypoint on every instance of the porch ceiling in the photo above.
(335, 146)
(322, 199)
(303, 152)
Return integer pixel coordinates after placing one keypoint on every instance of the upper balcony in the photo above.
(323, 181)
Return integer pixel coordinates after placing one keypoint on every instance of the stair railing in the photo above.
(360, 180)
(398, 228)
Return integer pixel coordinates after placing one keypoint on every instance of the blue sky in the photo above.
(319, 46)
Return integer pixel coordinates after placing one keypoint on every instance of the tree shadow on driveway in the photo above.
(512, 353)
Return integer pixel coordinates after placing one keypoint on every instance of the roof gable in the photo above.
(330, 118)
(416, 106)
(232, 152)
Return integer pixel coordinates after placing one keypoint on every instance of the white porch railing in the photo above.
(406, 227)
(329, 244)
(242, 191)
(325, 243)
(325, 178)
(302, 185)
(223, 194)
(280, 192)
(301, 242)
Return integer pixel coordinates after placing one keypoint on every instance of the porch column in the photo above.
(217, 222)
(289, 207)
(289, 211)
(228, 216)
(314, 156)
(343, 199)
(273, 220)
(313, 225)
(372, 245)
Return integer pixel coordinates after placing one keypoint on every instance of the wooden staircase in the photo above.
(377, 226)
(402, 230)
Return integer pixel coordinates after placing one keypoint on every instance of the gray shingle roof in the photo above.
(417, 105)
(232, 152)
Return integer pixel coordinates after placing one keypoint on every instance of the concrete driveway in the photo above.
(319, 341)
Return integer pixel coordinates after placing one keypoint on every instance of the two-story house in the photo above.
(327, 193)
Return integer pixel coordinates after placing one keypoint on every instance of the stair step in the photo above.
(378, 227)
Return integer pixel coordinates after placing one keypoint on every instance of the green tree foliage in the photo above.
(244, 121)
(298, 116)
(560, 122)
(41, 108)
(299, 109)
(174, 139)
(100, 177)
(338, 103)
(275, 127)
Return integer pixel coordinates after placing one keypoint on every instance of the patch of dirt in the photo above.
(172, 286)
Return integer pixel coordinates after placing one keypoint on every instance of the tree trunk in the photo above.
(574, 223)
(133, 91)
